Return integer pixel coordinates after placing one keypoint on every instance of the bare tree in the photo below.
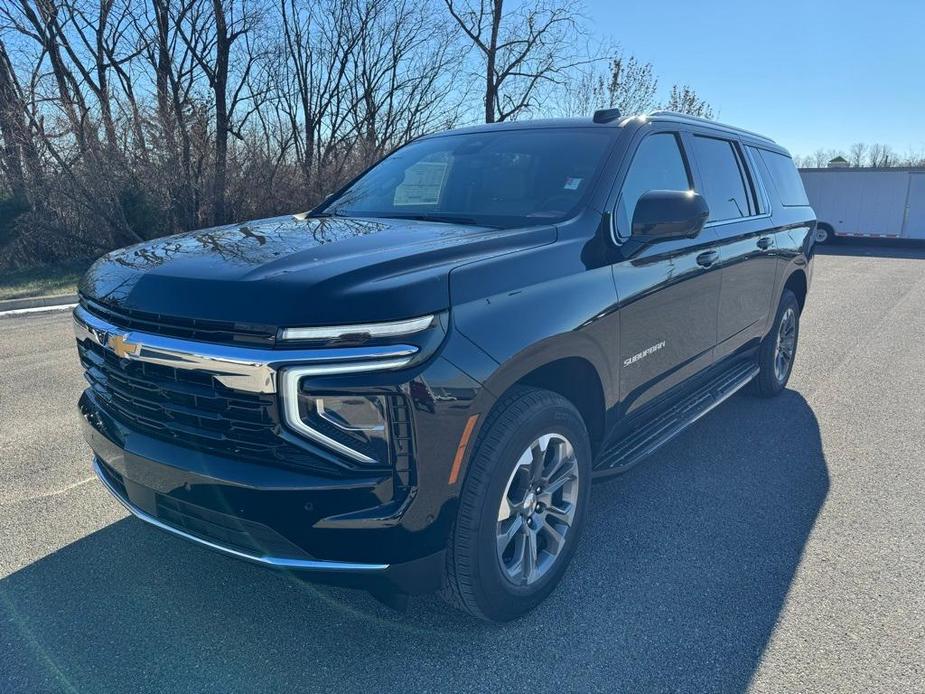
(318, 40)
(222, 39)
(402, 72)
(15, 135)
(519, 50)
(881, 156)
(123, 120)
(621, 82)
(856, 154)
(683, 99)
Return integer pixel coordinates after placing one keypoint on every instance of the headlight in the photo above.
(361, 331)
(358, 424)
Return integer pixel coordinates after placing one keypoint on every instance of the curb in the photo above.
(37, 302)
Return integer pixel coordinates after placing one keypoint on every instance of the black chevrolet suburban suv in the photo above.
(411, 387)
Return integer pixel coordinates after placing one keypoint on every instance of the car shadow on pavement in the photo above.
(684, 568)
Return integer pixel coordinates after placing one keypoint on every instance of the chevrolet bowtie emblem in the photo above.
(122, 348)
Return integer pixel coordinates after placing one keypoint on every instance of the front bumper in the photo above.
(149, 416)
(267, 516)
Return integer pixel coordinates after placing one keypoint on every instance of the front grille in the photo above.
(190, 408)
(224, 332)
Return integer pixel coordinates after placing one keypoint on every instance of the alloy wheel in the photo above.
(537, 509)
(786, 344)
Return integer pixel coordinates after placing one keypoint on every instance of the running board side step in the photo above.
(645, 439)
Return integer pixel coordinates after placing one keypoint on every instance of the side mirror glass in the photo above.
(661, 215)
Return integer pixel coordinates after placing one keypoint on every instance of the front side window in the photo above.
(724, 185)
(657, 165)
(504, 178)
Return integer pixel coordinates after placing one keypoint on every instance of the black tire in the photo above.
(475, 580)
(771, 380)
(830, 238)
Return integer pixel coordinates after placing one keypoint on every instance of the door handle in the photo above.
(764, 243)
(707, 259)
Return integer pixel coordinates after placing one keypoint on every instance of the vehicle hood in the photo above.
(289, 271)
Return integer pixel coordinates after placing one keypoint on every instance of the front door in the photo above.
(669, 291)
(914, 225)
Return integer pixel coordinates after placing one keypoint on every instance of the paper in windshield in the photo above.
(422, 184)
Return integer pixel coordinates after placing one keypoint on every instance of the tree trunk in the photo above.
(12, 130)
(491, 87)
(220, 88)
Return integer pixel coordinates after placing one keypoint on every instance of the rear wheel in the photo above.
(778, 349)
(522, 506)
(823, 234)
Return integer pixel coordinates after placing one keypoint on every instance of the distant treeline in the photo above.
(861, 154)
(122, 120)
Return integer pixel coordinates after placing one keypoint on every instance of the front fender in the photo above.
(530, 308)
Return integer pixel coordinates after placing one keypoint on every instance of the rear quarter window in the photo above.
(786, 178)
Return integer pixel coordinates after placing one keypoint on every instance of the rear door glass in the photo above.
(724, 185)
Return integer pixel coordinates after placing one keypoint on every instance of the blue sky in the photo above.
(811, 74)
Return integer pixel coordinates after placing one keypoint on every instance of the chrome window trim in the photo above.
(266, 560)
(291, 377)
(250, 369)
(735, 220)
(334, 332)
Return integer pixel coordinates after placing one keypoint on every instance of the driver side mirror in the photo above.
(661, 215)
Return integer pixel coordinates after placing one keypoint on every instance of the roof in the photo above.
(706, 122)
(588, 122)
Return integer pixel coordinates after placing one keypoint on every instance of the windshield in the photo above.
(503, 178)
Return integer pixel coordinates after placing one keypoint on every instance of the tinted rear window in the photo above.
(723, 185)
(786, 178)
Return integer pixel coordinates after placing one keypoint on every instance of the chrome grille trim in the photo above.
(247, 369)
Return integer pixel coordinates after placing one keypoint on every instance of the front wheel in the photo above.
(779, 348)
(522, 506)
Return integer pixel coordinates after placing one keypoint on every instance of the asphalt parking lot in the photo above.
(775, 546)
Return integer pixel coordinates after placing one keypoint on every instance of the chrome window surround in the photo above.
(266, 560)
(335, 332)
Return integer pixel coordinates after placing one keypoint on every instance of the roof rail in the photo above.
(684, 118)
(606, 115)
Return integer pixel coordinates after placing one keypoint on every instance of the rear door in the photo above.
(740, 218)
(914, 227)
(668, 291)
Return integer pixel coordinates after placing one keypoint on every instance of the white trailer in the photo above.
(878, 203)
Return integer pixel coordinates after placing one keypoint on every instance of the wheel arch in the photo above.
(798, 284)
(578, 375)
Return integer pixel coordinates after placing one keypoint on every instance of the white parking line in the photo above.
(35, 309)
